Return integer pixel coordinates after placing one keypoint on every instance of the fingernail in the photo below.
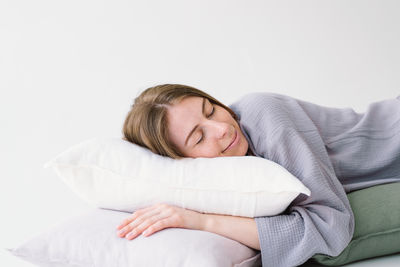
(121, 231)
(131, 234)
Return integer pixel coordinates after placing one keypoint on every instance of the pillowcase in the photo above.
(377, 225)
(90, 239)
(115, 174)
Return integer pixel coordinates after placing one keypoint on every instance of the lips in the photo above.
(234, 138)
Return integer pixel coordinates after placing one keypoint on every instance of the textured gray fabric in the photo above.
(333, 151)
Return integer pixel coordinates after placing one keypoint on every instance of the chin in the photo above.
(241, 151)
(244, 152)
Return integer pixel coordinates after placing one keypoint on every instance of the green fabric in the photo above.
(377, 225)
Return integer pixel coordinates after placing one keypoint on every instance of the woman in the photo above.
(332, 151)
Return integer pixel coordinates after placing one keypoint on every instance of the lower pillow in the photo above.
(377, 225)
(90, 239)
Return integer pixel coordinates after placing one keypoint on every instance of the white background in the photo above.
(69, 71)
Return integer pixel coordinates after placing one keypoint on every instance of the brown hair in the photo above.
(146, 123)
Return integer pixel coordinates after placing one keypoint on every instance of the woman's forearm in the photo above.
(241, 229)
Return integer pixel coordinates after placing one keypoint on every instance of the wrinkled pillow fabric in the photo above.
(115, 174)
(90, 239)
(377, 225)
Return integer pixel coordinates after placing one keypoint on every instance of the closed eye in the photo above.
(212, 113)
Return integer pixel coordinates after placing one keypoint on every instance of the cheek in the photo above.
(209, 150)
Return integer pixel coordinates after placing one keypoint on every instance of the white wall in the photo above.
(69, 71)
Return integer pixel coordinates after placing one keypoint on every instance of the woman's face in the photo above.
(201, 129)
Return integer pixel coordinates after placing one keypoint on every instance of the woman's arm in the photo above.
(283, 132)
(241, 229)
(160, 216)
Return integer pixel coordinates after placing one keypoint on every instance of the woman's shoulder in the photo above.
(262, 102)
(264, 98)
(272, 112)
(262, 95)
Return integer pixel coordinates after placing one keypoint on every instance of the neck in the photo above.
(249, 152)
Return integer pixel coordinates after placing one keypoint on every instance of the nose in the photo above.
(218, 129)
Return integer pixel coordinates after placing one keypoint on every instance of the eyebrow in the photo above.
(195, 127)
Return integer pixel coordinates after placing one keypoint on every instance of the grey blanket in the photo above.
(333, 151)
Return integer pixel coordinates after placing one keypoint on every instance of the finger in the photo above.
(149, 227)
(158, 226)
(133, 216)
(139, 220)
(142, 223)
(141, 226)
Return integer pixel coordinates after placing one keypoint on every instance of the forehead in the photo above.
(190, 105)
(183, 116)
(185, 110)
(189, 100)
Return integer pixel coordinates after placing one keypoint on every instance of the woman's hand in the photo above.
(155, 218)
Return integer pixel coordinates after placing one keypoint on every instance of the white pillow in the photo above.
(115, 174)
(90, 239)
